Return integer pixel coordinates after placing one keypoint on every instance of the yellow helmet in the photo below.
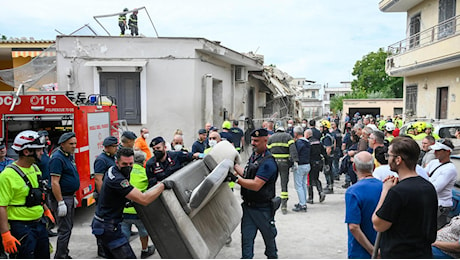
(325, 123)
(226, 125)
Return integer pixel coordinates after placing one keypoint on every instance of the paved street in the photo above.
(318, 233)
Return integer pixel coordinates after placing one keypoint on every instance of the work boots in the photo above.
(322, 196)
(329, 189)
(310, 194)
(284, 206)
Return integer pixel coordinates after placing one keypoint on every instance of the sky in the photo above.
(319, 40)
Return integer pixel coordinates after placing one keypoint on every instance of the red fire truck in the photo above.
(92, 118)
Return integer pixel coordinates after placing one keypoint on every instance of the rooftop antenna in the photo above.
(120, 13)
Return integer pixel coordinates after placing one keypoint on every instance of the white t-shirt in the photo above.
(384, 170)
(443, 180)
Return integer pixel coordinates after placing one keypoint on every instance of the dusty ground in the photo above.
(318, 233)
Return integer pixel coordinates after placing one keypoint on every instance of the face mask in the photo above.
(289, 125)
(158, 154)
(126, 170)
(177, 147)
(212, 143)
(304, 125)
(145, 136)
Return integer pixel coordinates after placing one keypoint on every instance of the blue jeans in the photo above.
(438, 254)
(335, 166)
(300, 182)
(33, 237)
(258, 219)
(128, 221)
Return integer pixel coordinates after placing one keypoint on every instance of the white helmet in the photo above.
(390, 126)
(28, 139)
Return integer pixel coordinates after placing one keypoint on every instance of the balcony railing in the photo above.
(427, 37)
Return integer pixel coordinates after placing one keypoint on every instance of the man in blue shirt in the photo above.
(199, 145)
(116, 191)
(65, 181)
(238, 136)
(102, 163)
(257, 190)
(361, 200)
(4, 160)
(105, 160)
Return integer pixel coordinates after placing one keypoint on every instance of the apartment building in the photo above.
(428, 58)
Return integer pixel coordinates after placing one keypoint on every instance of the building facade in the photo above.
(429, 58)
(163, 83)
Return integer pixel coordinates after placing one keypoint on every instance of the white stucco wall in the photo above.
(173, 77)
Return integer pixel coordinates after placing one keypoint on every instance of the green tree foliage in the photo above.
(371, 77)
(337, 101)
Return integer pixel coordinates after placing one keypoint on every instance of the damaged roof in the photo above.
(277, 81)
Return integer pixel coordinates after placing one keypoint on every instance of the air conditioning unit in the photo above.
(241, 74)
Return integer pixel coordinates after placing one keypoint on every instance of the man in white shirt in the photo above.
(443, 174)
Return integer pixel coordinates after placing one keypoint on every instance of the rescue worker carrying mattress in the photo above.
(22, 198)
(116, 191)
(282, 147)
(258, 193)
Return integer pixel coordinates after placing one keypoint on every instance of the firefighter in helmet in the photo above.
(132, 23)
(122, 22)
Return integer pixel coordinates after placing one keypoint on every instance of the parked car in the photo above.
(443, 128)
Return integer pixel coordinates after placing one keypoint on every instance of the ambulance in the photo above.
(92, 118)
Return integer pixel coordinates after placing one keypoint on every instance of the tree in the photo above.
(371, 76)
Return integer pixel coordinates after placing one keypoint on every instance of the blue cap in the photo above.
(129, 134)
(111, 140)
(202, 131)
(259, 132)
(65, 137)
(43, 133)
(156, 141)
(2, 144)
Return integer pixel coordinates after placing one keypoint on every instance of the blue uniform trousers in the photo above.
(113, 241)
(33, 237)
(65, 225)
(258, 219)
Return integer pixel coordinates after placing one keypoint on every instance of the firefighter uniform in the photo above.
(122, 22)
(237, 135)
(133, 24)
(282, 147)
(258, 212)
